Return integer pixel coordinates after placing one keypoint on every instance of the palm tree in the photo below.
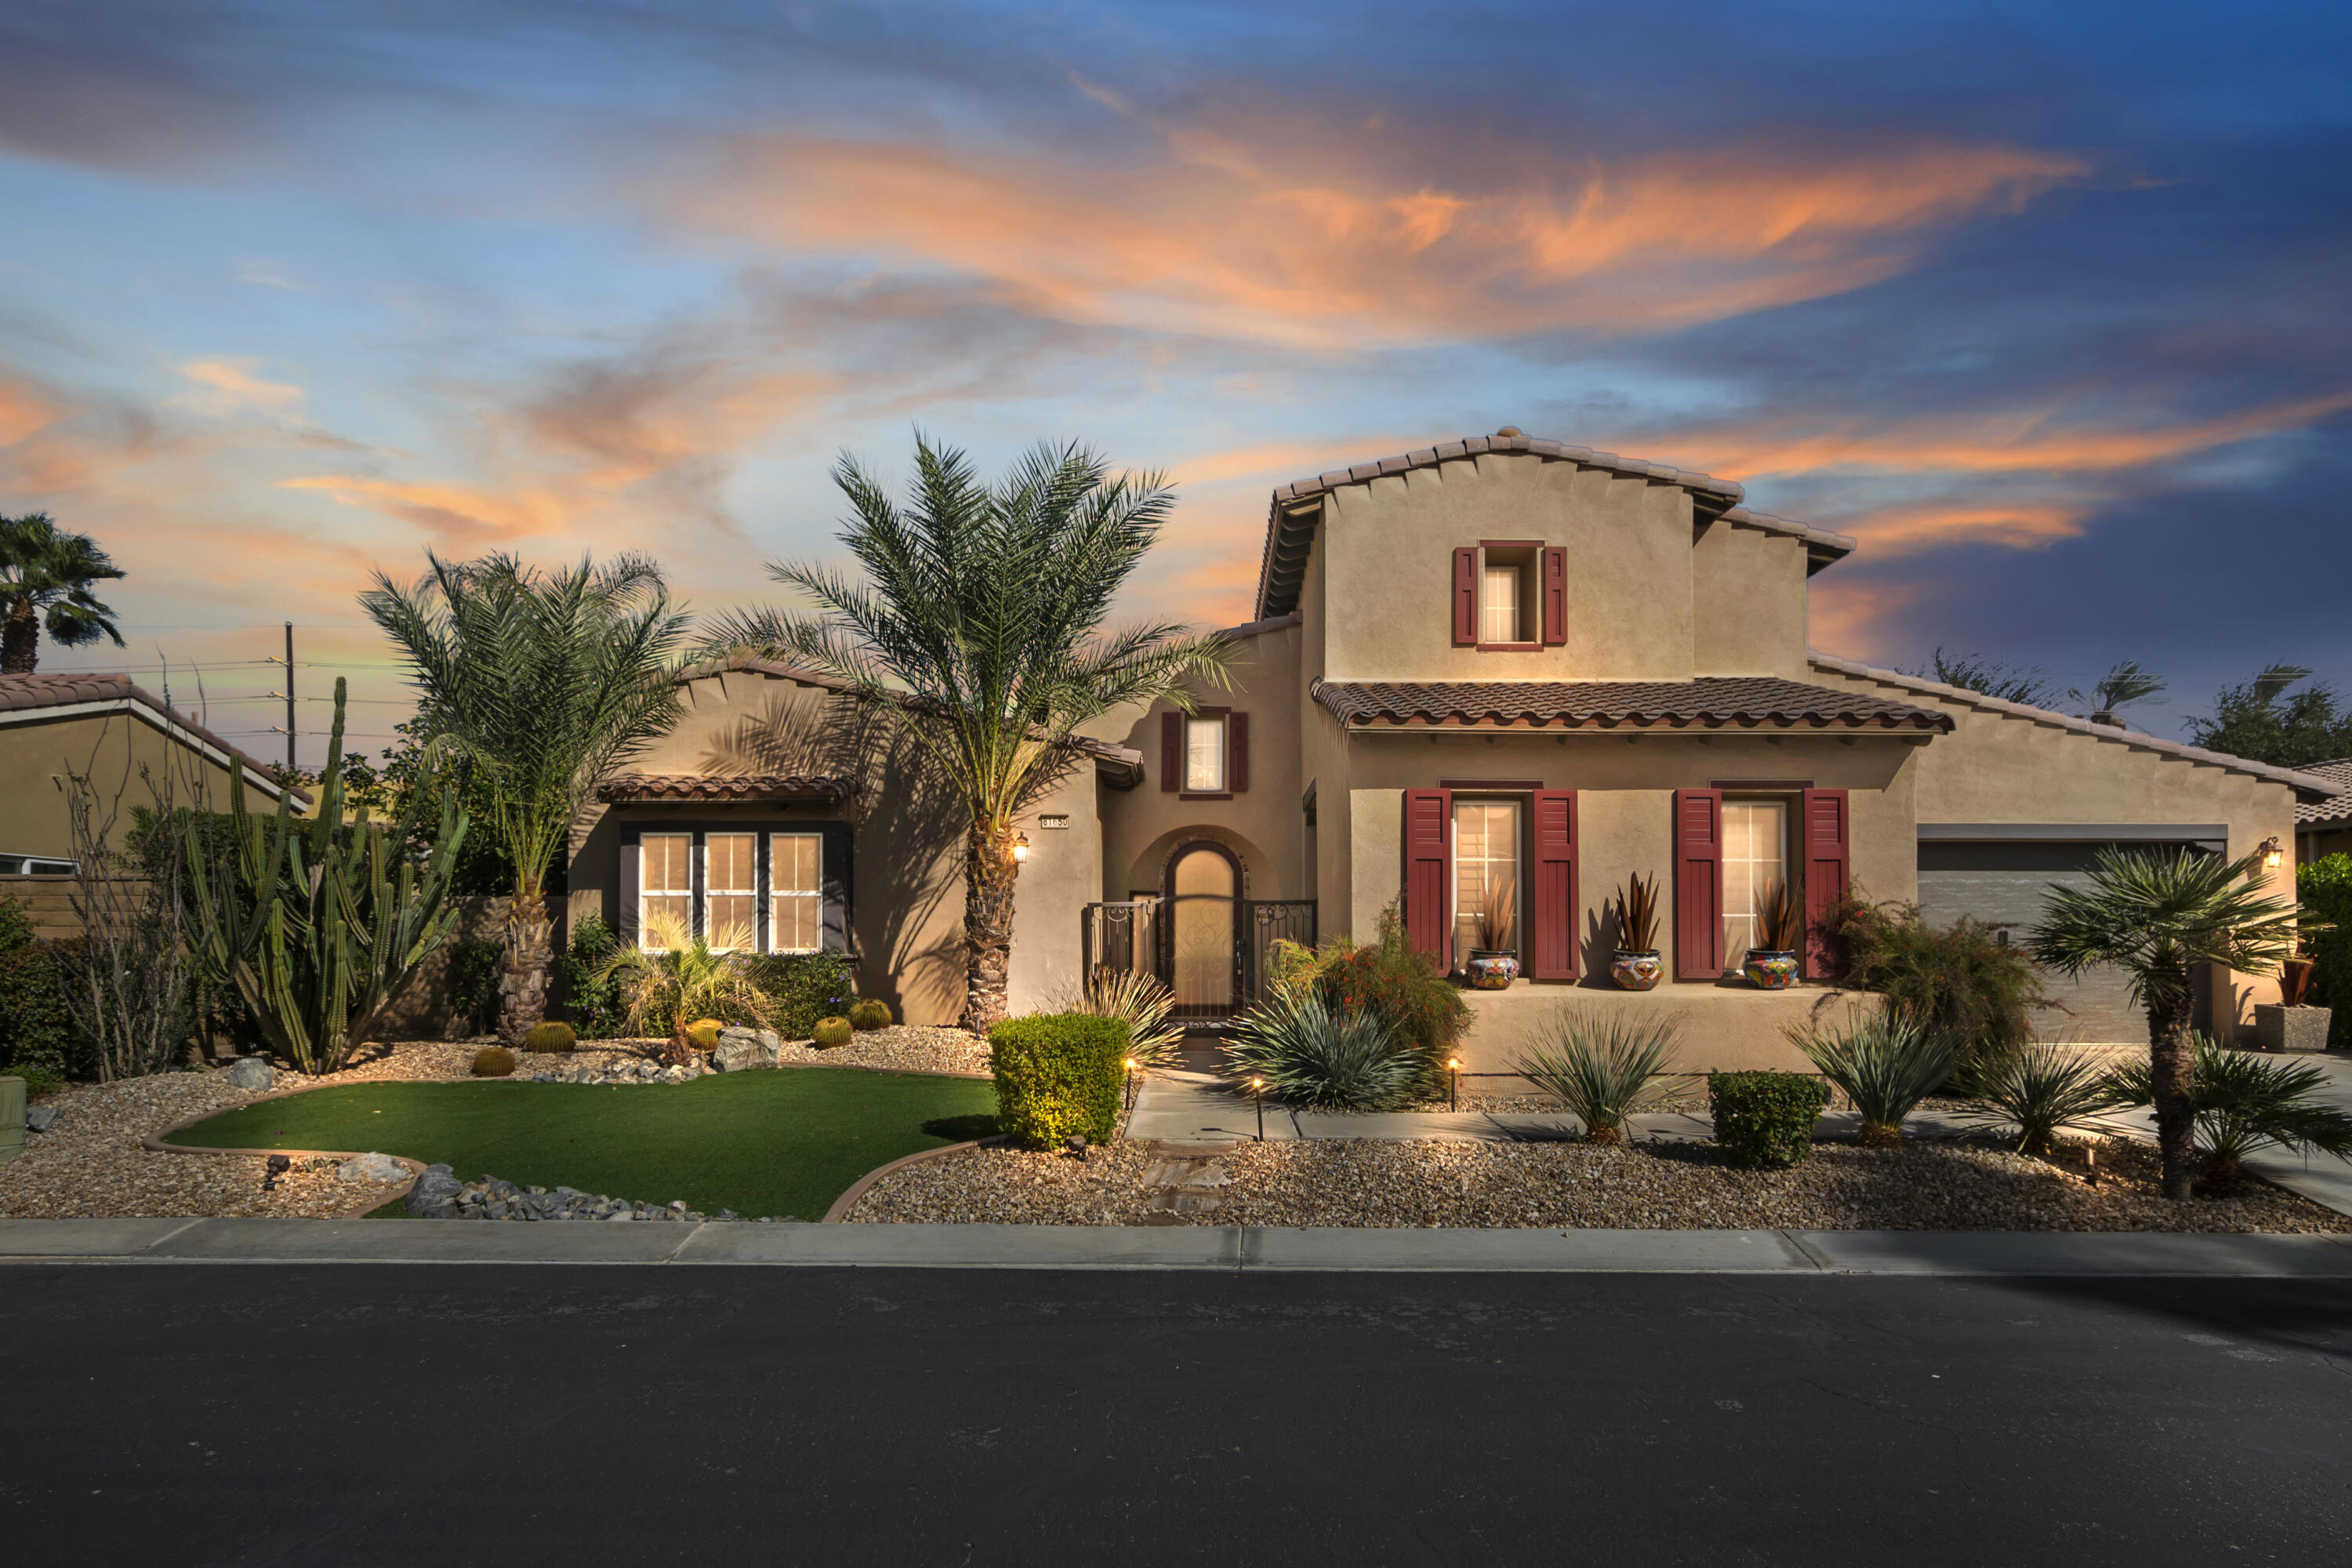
(543, 683)
(44, 576)
(980, 625)
(2126, 683)
(2157, 917)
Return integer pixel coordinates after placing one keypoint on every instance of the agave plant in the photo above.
(1778, 923)
(1886, 1063)
(685, 978)
(1637, 915)
(1136, 999)
(1601, 1068)
(1301, 1050)
(2244, 1104)
(2039, 1089)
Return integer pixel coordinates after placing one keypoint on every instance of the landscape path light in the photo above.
(1257, 1092)
(1133, 1066)
(1453, 1083)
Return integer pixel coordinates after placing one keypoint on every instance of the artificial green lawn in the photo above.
(786, 1142)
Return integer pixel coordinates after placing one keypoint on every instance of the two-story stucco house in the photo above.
(1499, 662)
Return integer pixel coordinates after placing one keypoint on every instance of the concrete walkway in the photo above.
(1229, 1249)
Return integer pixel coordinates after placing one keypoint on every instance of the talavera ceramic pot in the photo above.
(1491, 971)
(1769, 970)
(1636, 971)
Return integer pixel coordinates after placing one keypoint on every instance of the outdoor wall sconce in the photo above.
(1020, 846)
(2273, 855)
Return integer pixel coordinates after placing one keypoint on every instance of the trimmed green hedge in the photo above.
(36, 1032)
(1766, 1119)
(1057, 1073)
(2324, 888)
(805, 987)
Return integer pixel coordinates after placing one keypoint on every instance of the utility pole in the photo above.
(289, 662)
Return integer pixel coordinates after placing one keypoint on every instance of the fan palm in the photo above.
(679, 978)
(2244, 1105)
(2157, 917)
(45, 578)
(543, 682)
(979, 625)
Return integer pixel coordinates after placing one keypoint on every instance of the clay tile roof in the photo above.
(720, 787)
(1607, 704)
(30, 693)
(1290, 521)
(2336, 810)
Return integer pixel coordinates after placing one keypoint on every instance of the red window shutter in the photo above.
(1172, 751)
(1555, 596)
(1465, 596)
(1429, 873)
(1236, 753)
(1829, 863)
(1551, 948)
(1698, 884)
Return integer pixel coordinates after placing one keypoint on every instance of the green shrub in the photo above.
(551, 1039)
(703, 1034)
(495, 1061)
(36, 1034)
(2245, 1104)
(827, 1033)
(1600, 1067)
(1766, 1119)
(1402, 987)
(1057, 1073)
(1309, 1054)
(37, 1080)
(474, 966)
(597, 1007)
(804, 987)
(871, 1014)
(1885, 1061)
(2324, 889)
(1954, 980)
(2039, 1089)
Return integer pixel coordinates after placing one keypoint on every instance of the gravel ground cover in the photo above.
(90, 1165)
(1941, 1185)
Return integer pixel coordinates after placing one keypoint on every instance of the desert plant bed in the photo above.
(902, 1047)
(762, 1143)
(1926, 1185)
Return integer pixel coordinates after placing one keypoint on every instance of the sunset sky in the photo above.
(2047, 305)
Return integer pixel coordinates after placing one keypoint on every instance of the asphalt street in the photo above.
(461, 1414)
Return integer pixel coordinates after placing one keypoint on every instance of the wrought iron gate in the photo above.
(1141, 934)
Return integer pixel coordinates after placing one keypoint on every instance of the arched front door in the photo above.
(1203, 916)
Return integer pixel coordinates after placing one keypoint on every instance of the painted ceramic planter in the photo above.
(1636, 971)
(1491, 971)
(1769, 970)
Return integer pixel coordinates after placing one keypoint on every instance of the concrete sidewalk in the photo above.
(1228, 1249)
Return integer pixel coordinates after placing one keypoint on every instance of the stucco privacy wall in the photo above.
(1388, 575)
(2007, 767)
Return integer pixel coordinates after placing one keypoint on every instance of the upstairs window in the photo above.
(1204, 754)
(1511, 595)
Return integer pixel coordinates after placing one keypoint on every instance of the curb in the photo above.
(839, 1213)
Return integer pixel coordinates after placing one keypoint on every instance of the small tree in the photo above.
(2158, 917)
(2268, 720)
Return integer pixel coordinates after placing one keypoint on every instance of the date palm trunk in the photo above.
(530, 957)
(989, 870)
(2172, 1064)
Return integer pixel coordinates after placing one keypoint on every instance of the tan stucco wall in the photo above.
(1389, 547)
(110, 749)
(1748, 602)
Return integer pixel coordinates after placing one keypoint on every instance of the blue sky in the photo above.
(2045, 305)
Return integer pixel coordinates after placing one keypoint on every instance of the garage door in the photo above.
(2003, 883)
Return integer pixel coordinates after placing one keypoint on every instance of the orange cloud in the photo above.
(461, 517)
(1319, 239)
(1907, 530)
(1844, 616)
(230, 386)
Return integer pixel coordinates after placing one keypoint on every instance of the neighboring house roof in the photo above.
(2304, 780)
(648, 787)
(27, 697)
(1709, 702)
(2340, 809)
(1290, 520)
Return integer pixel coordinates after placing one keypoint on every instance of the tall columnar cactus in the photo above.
(318, 923)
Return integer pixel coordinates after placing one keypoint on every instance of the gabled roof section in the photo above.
(1711, 702)
(1291, 520)
(2304, 782)
(2320, 812)
(24, 698)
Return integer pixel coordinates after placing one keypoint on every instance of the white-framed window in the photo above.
(664, 888)
(1755, 857)
(731, 890)
(1485, 875)
(1205, 753)
(795, 892)
(1501, 592)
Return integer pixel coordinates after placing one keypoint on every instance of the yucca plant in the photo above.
(1136, 999)
(2037, 1090)
(1778, 925)
(1302, 1050)
(1637, 915)
(1886, 1064)
(2244, 1104)
(1603, 1069)
(683, 979)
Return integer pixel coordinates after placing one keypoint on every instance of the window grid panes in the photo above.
(1204, 756)
(665, 890)
(1755, 855)
(1485, 873)
(1498, 604)
(731, 890)
(796, 869)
